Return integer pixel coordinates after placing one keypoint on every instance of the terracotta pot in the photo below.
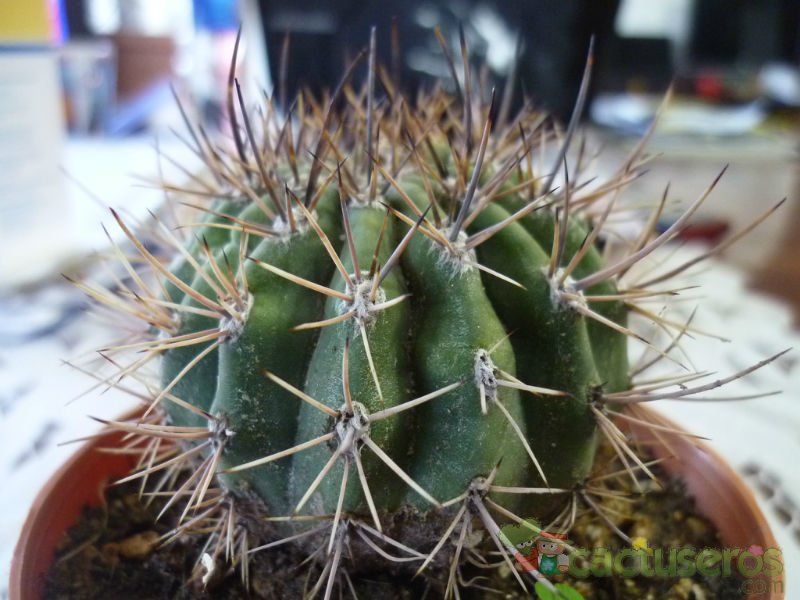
(719, 493)
(80, 482)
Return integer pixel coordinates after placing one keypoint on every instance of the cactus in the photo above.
(390, 318)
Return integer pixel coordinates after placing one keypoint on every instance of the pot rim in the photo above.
(700, 467)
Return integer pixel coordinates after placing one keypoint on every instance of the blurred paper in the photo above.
(34, 216)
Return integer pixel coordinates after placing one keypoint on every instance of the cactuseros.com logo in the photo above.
(552, 554)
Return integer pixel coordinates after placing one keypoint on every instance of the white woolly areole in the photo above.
(282, 227)
(459, 259)
(219, 427)
(352, 428)
(479, 486)
(362, 304)
(233, 326)
(485, 373)
(557, 290)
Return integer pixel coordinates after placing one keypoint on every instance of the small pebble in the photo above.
(136, 546)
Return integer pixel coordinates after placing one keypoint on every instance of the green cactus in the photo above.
(385, 333)
(446, 328)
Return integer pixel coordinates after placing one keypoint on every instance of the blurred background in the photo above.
(88, 120)
(86, 98)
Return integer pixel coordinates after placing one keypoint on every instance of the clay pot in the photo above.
(719, 493)
(79, 482)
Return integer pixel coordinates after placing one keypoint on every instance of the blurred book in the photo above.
(34, 218)
(29, 21)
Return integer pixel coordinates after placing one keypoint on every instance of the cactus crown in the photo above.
(391, 325)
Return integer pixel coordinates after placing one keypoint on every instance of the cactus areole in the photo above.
(387, 324)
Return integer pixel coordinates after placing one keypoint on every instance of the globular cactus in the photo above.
(390, 317)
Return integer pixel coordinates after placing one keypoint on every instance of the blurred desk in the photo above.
(760, 438)
(35, 391)
(101, 173)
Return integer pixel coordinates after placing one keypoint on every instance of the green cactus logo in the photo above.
(521, 534)
(535, 548)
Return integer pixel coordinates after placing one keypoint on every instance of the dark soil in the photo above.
(112, 553)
